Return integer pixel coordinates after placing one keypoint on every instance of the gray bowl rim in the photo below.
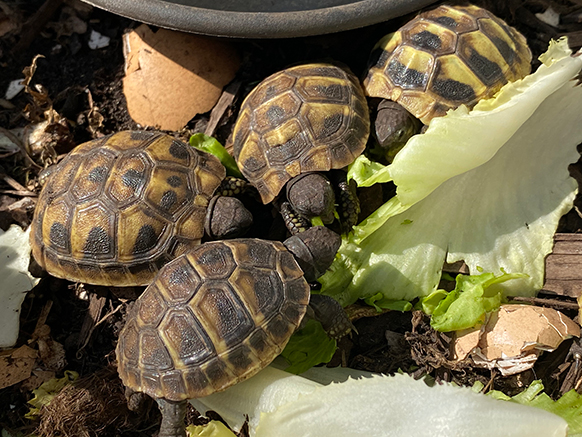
(315, 21)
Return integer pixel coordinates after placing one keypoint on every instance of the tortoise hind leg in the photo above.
(330, 314)
(173, 414)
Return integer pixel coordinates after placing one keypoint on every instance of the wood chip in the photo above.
(564, 266)
(96, 305)
(223, 104)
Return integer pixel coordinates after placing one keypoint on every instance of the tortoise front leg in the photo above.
(330, 314)
(232, 186)
(294, 222)
(173, 414)
(349, 205)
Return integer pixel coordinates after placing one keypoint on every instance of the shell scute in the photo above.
(94, 234)
(179, 280)
(129, 343)
(213, 261)
(257, 253)
(170, 193)
(92, 175)
(140, 234)
(184, 339)
(222, 314)
(280, 109)
(56, 226)
(261, 290)
(61, 179)
(167, 149)
(453, 81)
(173, 383)
(151, 307)
(482, 57)
(153, 352)
(459, 19)
(134, 172)
(410, 68)
(430, 37)
(273, 86)
(324, 89)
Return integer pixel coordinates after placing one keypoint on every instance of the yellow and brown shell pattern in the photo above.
(306, 118)
(117, 208)
(212, 318)
(447, 57)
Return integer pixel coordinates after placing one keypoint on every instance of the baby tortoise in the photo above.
(444, 58)
(294, 125)
(116, 209)
(220, 313)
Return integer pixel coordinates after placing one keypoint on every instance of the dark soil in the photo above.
(73, 75)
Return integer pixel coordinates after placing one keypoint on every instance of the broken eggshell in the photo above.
(172, 76)
(513, 337)
(16, 281)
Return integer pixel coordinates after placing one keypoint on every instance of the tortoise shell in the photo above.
(212, 318)
(447, 57)
(303, 119)
(117, 208)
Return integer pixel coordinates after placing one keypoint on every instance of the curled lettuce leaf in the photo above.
(486, 186)
(467, 304)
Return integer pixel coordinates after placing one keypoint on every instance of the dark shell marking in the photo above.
(445, 57)
(218, 332)
(112, 211)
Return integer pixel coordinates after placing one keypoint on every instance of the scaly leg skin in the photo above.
(231, 186)
(349, 205)
(293, 221)
(173, 414)
(330, 314)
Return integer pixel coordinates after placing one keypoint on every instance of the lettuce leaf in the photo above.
(211, 145)
(308, 347)
(276, 403)
(467, 304)
(486, 186)
(568, 407)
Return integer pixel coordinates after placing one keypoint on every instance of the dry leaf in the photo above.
(513, 337)
(16, 365)
(172, 76)
(37, 378)
(52, 353)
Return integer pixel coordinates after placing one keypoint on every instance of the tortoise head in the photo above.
(314, 250)
(393, 127)
(226, 217)
(311, 195)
